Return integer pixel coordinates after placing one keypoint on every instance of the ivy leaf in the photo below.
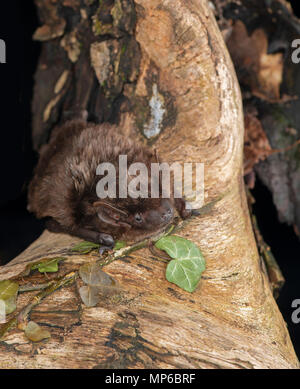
(35, 333)
(188, 264)
(8, 294)
(85, 247)
(50, 266)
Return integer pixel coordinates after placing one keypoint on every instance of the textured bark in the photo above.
(177, 57)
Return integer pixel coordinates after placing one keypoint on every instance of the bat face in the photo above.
(152, 218)
(143, 215)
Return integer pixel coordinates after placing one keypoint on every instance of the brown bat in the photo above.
(63, 188)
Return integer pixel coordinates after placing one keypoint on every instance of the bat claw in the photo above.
(106, 239)
(102, 249)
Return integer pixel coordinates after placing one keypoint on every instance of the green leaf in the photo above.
(10, 304)
(36, 333)
(119, 245)
(50, 266)
(85, 247)
(8, 294)
(188, 264)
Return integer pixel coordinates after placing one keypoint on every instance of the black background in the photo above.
(18, 21)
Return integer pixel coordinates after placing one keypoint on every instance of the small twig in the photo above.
(284, 149)
(158, 253)
(124, 251)
(31, 288)
(4, 328)
(66, 280)
(177, 226)
(50, 288)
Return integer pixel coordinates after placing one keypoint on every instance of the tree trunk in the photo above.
(161, 70)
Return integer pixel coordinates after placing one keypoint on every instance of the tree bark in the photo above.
(173, 53)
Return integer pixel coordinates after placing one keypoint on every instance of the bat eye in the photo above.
(138, 218)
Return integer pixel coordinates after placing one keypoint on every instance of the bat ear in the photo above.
(114, 212)
(108, 214)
